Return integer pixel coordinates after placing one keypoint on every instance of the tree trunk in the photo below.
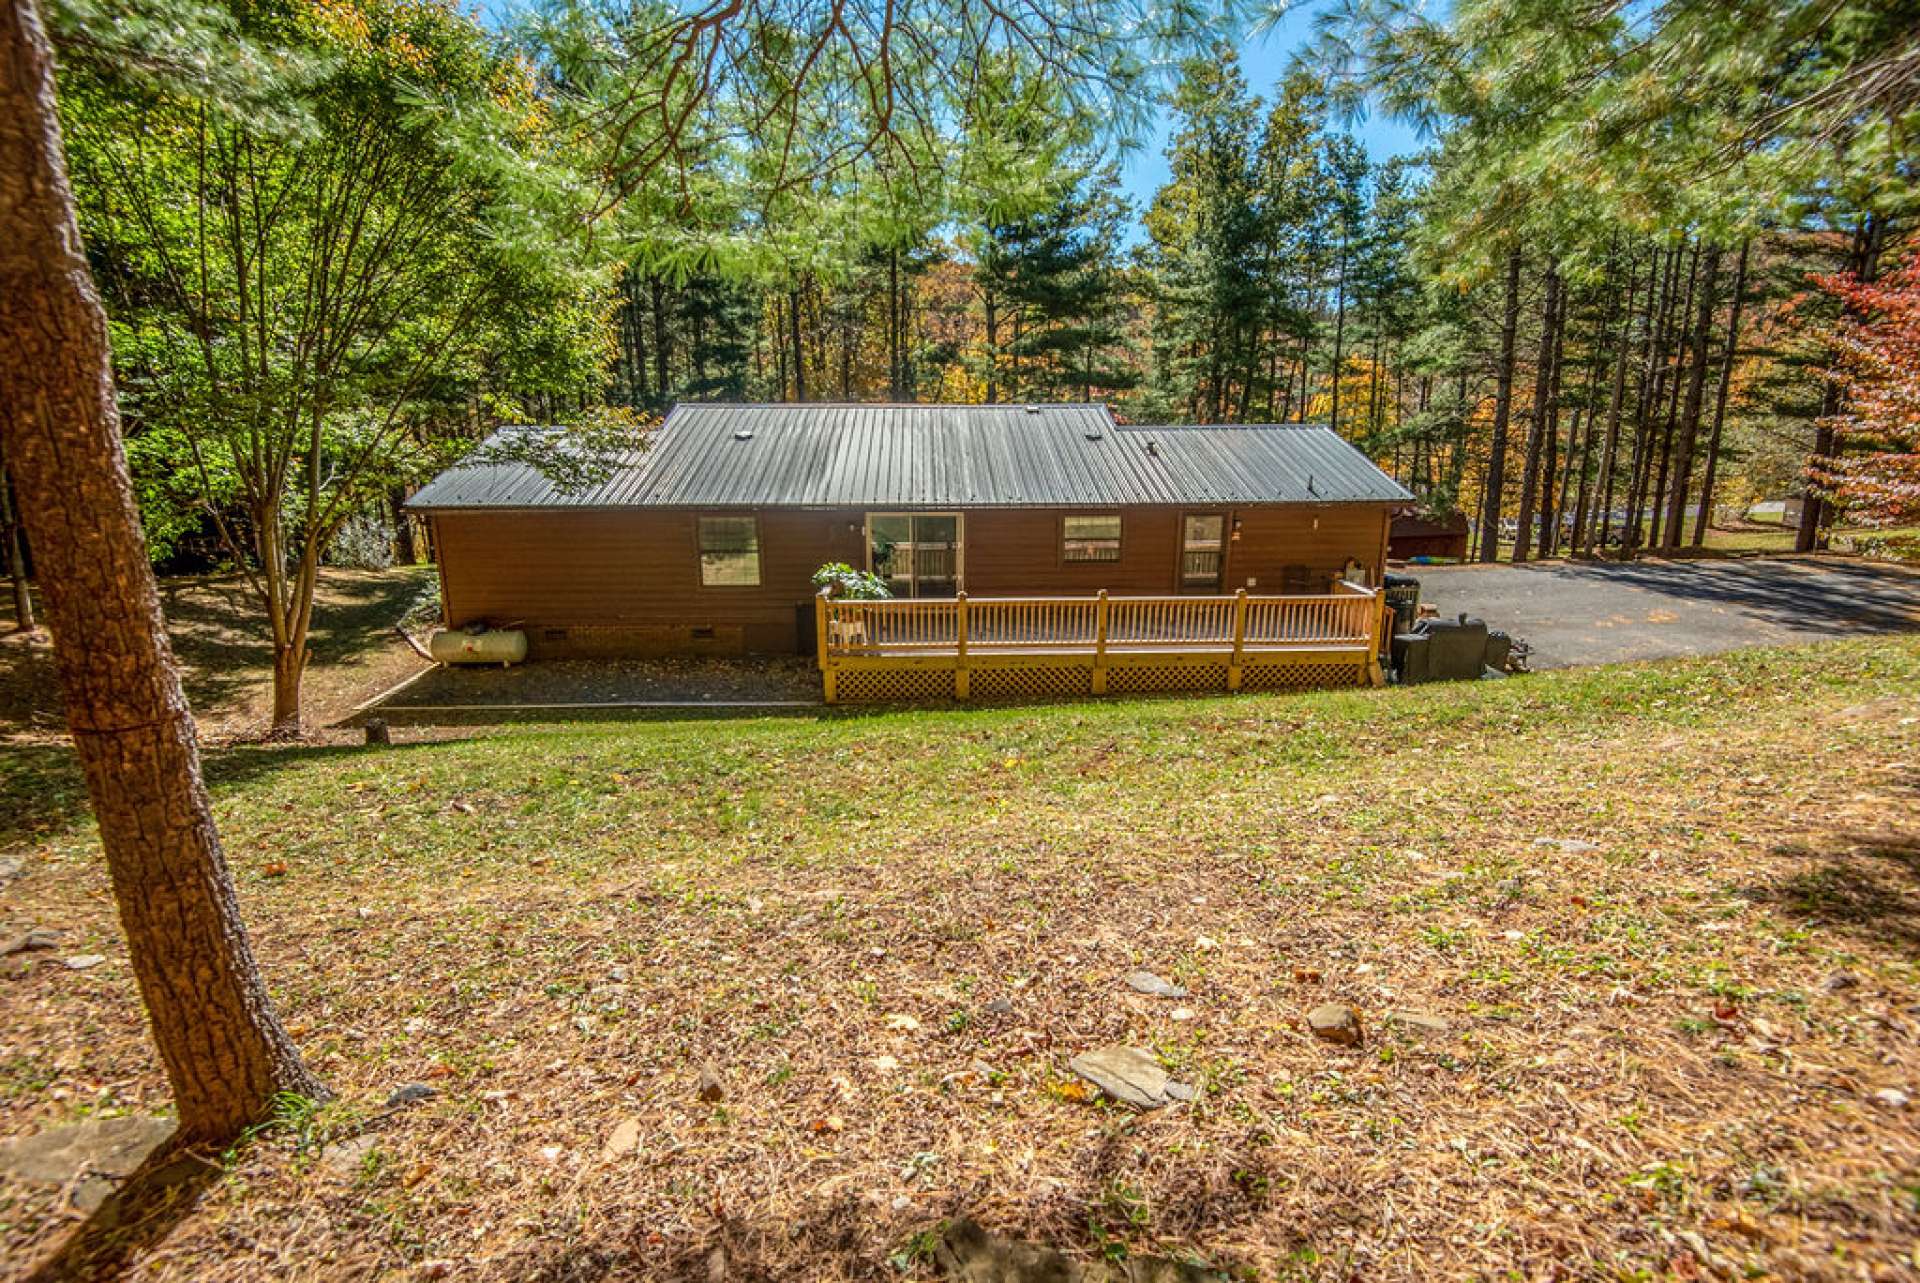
(1339, 335)
(1689, 431)
(225, 1052)
(289, 666)
(1550, 441)
(23, 620)
(1720, 399)
(1656, 509)
(799, 349)
(1646, 405)
(1502, 415)
(406, 549)
(662, 348)
(1603, 487)
(1538, 427)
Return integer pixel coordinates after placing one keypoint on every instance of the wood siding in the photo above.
(628, 582)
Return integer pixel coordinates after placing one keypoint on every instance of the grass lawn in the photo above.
(1676, 1044)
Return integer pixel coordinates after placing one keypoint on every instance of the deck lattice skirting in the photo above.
(1044, 647)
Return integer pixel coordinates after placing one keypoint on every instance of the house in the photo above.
(707, 541)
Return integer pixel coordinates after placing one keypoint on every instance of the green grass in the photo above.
(559, 926)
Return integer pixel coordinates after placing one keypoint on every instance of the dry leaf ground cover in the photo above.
(1675, 1044)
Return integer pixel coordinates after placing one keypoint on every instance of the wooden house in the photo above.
(707, 541)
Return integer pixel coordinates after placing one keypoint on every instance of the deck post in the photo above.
(962, 678)
(1377, 675)
(1239, 639)
(828, 685)
(1099, 686)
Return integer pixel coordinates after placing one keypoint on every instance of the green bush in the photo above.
(850, 584)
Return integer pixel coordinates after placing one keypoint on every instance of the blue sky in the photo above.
(1263, 61)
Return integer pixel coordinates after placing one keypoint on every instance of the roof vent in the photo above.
(1033, 409)
(1094, 434)
(743, 434)
(1153, 448)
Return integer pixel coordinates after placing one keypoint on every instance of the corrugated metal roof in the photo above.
(937, 456)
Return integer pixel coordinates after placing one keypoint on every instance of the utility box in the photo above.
(1447, 650)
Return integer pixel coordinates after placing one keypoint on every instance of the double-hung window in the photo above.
(1090, 538)
(729, 552)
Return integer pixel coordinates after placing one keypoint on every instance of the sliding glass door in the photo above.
(917, 553)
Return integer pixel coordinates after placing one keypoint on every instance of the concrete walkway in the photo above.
(1603, 612)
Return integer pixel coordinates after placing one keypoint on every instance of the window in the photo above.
(1090, 539)
(729, 552)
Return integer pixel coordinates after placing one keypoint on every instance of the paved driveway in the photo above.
(1596, 613)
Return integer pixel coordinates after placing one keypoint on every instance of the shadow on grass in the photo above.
(43, 795)
(219, 634)
(219, 628)
(1866, 883)
(161, 1193)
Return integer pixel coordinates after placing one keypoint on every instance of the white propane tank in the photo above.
(494, 646)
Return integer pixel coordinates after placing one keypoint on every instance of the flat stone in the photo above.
(623, 1139)
(10, 868)
(1571, 846)
(1148, 983)
(410, 1094)
(1335, 1022)
(1840, 981)
(1891, 1098)
(110, 1148)
(1420, 1020)
(85, 961)
(1128, 1074)
(1000, 1007)
(38, 938)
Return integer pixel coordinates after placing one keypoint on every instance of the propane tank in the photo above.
(501, 646)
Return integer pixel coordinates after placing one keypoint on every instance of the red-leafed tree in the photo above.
(1876, 473)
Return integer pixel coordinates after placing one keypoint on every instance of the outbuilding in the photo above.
(707, 541)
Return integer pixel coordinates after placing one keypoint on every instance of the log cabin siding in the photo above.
(627, 582)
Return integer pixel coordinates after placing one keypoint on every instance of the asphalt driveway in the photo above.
(1602, 612)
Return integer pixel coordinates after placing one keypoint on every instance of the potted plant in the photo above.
(843, 581)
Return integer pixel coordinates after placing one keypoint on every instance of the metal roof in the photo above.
(932, 457)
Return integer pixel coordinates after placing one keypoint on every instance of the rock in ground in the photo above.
(38, 938)
(1148, 983)
(1420, 1020)
(1571, 846)
(94, 1156)
(410, 1094)
(1129, 1075)
(711, 1089)
(1336, 1022)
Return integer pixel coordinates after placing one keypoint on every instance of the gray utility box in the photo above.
(1450, 650)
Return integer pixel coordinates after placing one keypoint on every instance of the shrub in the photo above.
(851, 584)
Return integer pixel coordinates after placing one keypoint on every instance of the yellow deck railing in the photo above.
(964, 647)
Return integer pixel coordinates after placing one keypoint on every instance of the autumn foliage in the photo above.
(1876, 473)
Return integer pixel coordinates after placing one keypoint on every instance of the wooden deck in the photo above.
(1014, 647)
